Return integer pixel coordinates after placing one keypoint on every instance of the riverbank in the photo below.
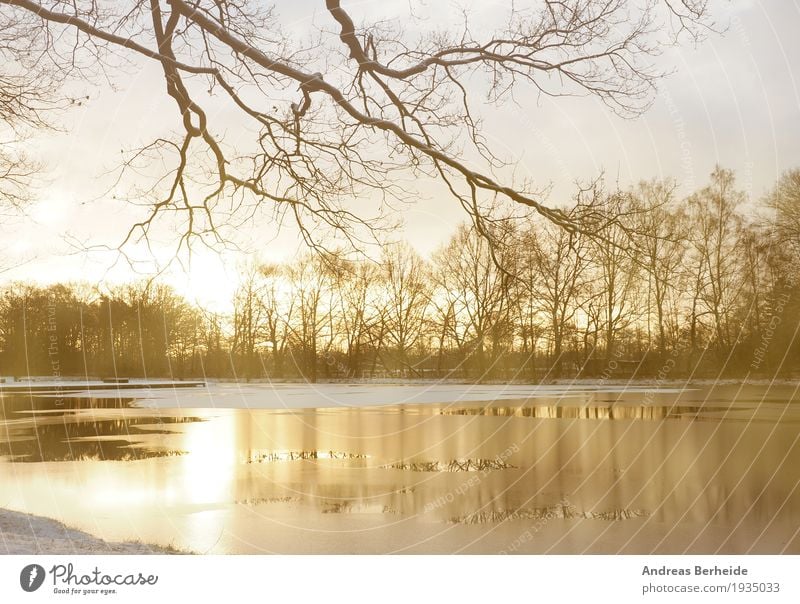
(24, 534)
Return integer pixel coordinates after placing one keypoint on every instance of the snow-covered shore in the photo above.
(22, 533)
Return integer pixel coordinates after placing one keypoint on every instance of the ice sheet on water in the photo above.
(308, 396)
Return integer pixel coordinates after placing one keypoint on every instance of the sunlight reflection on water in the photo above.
(417, 477)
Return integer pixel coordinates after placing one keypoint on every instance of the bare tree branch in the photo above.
(328, 131)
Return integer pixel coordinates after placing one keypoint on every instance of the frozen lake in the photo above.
(363, 468)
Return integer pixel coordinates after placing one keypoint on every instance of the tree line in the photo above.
(655, 286)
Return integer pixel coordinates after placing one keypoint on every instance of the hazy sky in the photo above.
(733, 100)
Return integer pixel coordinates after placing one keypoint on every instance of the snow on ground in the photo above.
(306, 396)
(27, 534)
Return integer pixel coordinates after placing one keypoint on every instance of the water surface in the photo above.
(556, 470)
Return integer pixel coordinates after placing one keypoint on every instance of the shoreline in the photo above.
(599, 381)
(27, 534)
(42, 382)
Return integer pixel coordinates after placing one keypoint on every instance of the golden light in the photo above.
(207, 279)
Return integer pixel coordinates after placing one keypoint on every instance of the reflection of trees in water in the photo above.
(552, 512)
(270, 456)
(355, 507)
(590, 411)
(107, 450)
(454, 465)
(13, 405)
(266, 500)
(42, 431)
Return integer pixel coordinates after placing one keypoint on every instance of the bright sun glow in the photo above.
(208, 281)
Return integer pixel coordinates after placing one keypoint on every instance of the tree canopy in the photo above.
(336, 114)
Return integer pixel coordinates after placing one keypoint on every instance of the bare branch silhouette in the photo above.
(343, 116)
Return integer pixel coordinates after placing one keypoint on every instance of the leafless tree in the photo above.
(29, 94)
(278, 308)
(467, 272)
(716, 226)
(407, 295)
(340, 112)
(354, 284)
(757, 262)
(310, 279)
(784, 201)
(553, 275)
(250, 325)
(616, 268)
(20, 110)
(661, 246)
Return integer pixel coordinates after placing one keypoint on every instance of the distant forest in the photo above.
(665, 287)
